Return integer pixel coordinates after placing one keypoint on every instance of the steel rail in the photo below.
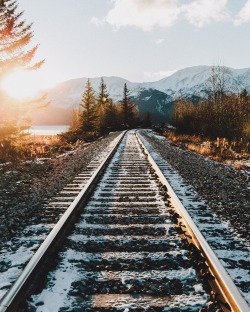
(12, 297)
(224, 282)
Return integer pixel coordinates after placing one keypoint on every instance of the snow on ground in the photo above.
(18, 251)
(232, 251)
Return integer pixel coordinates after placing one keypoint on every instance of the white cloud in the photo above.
(159, 40)
(203, 12)
(147, 14)
(97, 21)
(159, 75)
(144, 14)
(244, 14)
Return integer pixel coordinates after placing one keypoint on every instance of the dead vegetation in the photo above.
(235, 152)
(27, 147)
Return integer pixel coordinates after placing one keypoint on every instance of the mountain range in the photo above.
(156, 97)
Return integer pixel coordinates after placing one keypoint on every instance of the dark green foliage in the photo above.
(103, 95)
(109, 120)
(147, 122)
(100, 115)
(107, 112)
(89, 114)
(129, 114)
(150, 101)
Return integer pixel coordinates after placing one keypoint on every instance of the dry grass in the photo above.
(47, 146)
(34, 146)
(232, 153)
(203, 148)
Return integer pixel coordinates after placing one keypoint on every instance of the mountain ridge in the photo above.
(189, 82)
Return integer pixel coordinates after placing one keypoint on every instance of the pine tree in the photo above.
(109, 120)
(15, 53)
(147, 122)
(15, 36)
(89, 114)
(103, 95)
(102, 101)
(127, 109)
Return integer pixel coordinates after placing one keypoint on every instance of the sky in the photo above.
(139, 40)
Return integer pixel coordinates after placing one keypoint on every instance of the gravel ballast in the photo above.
(224, 188)
(26, 187)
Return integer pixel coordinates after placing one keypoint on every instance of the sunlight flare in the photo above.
(21, 84)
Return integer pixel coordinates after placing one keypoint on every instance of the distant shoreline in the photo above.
(47, 129)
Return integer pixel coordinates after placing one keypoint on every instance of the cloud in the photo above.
(159, 40)
(244, 14)
(144, 14)
(159, 75)
(96, 21)
(203, 12)
(147, 14)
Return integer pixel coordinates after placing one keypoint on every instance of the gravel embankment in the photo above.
(26, 188)
(225, 189)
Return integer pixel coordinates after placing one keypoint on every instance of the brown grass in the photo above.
(231, 153)
(34, 146)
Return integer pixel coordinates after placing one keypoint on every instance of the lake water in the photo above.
(48, 130)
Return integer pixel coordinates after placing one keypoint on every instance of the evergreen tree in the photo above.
(147, 122)
(103, 95)
(109, 120)
(15, 53)
(15, 36)
(102, 101)
(89, 111)
(127, 109)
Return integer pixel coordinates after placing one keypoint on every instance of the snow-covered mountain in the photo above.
(69, 93)
(156, 97)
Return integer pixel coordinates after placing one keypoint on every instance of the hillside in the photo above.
(154, 97)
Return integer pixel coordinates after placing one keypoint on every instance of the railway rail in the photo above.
(125, 243)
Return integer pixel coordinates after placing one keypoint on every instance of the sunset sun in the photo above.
(21, 84)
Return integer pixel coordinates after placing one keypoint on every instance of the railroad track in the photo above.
(125, 244)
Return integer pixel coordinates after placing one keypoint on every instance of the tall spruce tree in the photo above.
(147, 122)
(103, 103)
(15, 37)
(127, 109)
(103, 94)
(15, 53)
(109, 120)
(89, 114)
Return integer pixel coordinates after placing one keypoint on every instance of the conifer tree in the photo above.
(89, 111)
(103, 95)
(102, 101)
(147, 122)
(109, 120)
(15, 53)
(15, 37)
(127, 109)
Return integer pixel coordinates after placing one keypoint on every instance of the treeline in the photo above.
(222, 114)
(98, 114)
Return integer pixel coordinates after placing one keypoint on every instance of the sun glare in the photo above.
(21, 84)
